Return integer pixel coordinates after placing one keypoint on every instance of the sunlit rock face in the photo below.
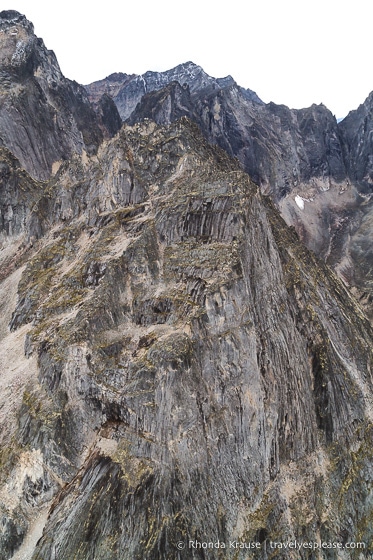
(176, 367)
(193, 372)
(44, 118)
(291, 154)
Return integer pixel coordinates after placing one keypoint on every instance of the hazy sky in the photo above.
(290, 52)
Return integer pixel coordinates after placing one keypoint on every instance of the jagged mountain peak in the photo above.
(189, 69)
(20, 52)
(117, 76)
(193, 75)
(110, 85)
(188, 66)
(129, 90)
(12, 16)
(44, 117)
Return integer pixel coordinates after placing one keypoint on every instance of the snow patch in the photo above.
(299, 202)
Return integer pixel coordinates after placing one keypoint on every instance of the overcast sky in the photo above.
(290, 52)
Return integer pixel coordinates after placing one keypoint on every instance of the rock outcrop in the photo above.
(44, 118)
(316, 170)
(196, 374)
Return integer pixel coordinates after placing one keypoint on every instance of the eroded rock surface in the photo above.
(175, 365)
(316, 170)
(44, 118)
(200, 375)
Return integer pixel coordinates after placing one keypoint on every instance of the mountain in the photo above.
(356, 130)
(188, 367)
(277, 146)
(315, 169)
(127, 90)
(44, 118)
(180, 377)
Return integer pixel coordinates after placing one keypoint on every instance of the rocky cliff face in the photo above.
(185, 369)
(128, 90)
(356, 130)
(316, 171)
(44, 118)
(176, 367)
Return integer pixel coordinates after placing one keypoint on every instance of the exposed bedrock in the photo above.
(199, 374)
(316, 170)
(44, 117)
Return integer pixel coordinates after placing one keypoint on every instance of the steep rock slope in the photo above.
(316, 171)
(356, 130)
(127, 90)
(44, 118)
(195, 373)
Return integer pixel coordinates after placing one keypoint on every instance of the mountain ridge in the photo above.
(44, 118)
(187, 73)
(293, 155)
(176, 366)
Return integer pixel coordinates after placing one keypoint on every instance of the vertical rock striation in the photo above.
(317, 171)
(200, 374)
(175, 365)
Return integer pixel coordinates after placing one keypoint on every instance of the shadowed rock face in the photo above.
(356, 130)
(127, 90)
(194, 372)
(17, 193)
(44, 118)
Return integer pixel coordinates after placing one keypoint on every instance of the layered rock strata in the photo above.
(189, 370)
